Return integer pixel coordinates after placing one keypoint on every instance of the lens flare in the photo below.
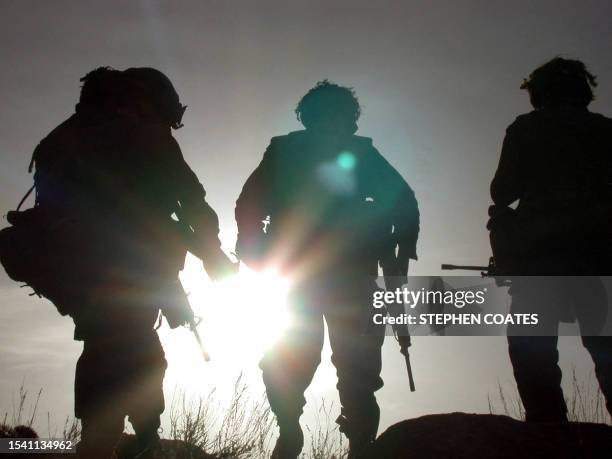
(241, 316)
(346, 160)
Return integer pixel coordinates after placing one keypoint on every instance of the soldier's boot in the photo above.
(290, 439)
(538, 377)
(361, 433)
(98, 439)
(147, 439)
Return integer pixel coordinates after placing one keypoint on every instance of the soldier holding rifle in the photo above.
(334, 208)
(102, 245)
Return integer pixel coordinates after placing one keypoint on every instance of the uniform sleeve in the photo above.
(252, 208)
(507, 184)
(401, 204)
(192, 208)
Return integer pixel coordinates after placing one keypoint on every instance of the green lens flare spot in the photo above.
(346, 160)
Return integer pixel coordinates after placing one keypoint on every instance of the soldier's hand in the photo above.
(177, 317)
(221, 267)
(404, 342)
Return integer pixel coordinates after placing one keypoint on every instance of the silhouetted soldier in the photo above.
(333, 207)
(112, 176)
(556, 161)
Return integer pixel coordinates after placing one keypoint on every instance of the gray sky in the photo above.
(438, 82)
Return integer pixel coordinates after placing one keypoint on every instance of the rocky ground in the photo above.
(450, 436)
(461, 435)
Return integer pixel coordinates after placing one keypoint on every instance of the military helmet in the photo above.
(560, 81)
(161, 92)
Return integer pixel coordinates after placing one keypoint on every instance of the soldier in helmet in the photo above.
(128, 207)
(556, 163)
(332, 205)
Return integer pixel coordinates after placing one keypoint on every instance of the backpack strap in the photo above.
(30, 168)
(25, 197)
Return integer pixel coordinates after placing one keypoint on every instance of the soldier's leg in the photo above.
(535, 358)
(145, 388)
(356, 354)
(538, 377)
(287, 370)
(102, 419)
(600, 348)
(591, 306)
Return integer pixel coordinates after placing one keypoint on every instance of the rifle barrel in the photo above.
(409, 369)
(194, 330)
(448, 267)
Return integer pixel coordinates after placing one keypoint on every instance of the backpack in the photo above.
(59, 253)
(38, 245)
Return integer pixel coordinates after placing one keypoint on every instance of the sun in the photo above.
(241, 316)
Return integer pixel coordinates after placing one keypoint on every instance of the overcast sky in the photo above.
(438, 82)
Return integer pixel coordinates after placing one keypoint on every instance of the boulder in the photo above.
(462, 435)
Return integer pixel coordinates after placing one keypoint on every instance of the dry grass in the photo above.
(585, 403)
(243, 429)
(327, 442)
(24, 414)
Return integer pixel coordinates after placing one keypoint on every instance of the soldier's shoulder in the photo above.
(65, 129)
(287, 141)
(600, 119)
(526, 119)
(293, 136)
(525, 122)
(362, 141)
(61, 138)
(278, 139)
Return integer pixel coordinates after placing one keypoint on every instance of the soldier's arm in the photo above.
(252, 208)
(507, 184)
(404, 211)
(194, 211)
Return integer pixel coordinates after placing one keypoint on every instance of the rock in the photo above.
(177, 449)
(462, 435)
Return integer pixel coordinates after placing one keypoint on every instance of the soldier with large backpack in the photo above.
(556, 161)
(116, 210)
(324, 208)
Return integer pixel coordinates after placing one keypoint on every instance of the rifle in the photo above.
(193, 324)
(401, 332)
(178, 311)
(485, 271)
(490, 270)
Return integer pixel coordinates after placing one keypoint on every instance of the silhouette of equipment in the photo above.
(193, 326)
(490, 270)
(401, 332)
